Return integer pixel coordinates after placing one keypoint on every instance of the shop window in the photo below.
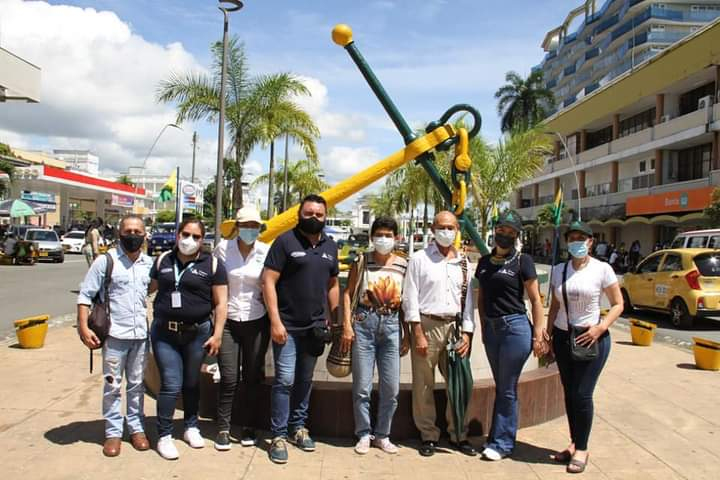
(637, 123)
(694, 163)
(689, 100)
(599, 137)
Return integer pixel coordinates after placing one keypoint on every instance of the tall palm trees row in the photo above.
(260, 110)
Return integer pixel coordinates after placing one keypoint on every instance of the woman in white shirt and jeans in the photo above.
(247, 331)
(586, 279)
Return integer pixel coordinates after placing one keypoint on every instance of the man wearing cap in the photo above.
(432, 298)
(247, 330)
(299, 280)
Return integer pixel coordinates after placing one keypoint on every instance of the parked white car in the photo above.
(48, 244)
(73, 241)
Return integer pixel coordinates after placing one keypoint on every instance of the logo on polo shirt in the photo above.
(166, 270)
(505, 271)
(297, 254)
(198, 272)
(328, 257)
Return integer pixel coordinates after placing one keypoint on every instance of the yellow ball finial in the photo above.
(342, 35)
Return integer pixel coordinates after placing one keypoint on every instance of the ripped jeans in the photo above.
(128, 358)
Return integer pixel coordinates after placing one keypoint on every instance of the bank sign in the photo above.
(38, 197)
(670, 202)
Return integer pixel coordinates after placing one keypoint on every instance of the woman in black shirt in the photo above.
(505, 276)
(191, 285)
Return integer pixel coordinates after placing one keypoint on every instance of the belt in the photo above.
(439, 318)
(181, 326)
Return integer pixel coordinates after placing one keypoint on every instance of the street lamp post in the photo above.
(162, 130)
(226, 6)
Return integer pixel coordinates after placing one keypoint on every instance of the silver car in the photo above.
(48, 243)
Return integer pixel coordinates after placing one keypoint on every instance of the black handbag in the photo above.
(580, 353)
(99, 316)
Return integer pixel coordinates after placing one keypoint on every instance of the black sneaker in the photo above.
(427, 449)
(247, 437)
(222, 442)
(465, 448)
(278, 451)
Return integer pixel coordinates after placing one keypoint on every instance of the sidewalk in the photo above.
(657, 417)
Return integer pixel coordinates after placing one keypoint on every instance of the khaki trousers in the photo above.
(423, 381)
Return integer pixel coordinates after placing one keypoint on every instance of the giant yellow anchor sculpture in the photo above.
(440, 135)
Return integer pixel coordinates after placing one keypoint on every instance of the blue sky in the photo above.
(429, 54)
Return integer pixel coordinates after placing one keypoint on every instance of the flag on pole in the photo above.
(167, 192)
(558, 207)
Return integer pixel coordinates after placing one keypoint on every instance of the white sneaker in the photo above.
(363, 445)
(166, 448)
(193, 438)
(385, 445)
(490, 454)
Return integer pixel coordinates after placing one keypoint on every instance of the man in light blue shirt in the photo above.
(126, 348)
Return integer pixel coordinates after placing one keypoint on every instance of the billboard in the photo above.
(191, 197)
(125, 201)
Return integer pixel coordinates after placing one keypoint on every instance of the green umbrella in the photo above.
(459, 383)
(21, 209)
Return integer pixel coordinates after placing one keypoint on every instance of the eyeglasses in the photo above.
(188, 235)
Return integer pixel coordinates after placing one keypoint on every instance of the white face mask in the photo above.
(383, 245)
(445, 238)
(188, 246)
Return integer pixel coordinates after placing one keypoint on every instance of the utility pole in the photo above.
(192, 173)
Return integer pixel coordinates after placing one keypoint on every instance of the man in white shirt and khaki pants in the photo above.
(431, 300)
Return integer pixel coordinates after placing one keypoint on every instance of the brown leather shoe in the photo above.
(111, 448)
(139, 441)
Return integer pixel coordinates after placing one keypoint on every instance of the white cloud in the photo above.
(341, 161)
(98, 85)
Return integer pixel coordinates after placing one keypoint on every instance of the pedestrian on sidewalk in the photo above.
(577, 288)
(247, 333)
(431, 302)
(375, 328)
(299, 279)
(506, 276)
(125, 349)
(191, 287)
(91, 247)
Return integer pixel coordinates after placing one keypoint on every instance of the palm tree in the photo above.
(304, 177)
(125, 180)
(277, 113)
(498, 170)
(522, 104)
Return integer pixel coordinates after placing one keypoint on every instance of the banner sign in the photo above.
(668, 202)
(190, 196)
(38, 197)
(122, 201)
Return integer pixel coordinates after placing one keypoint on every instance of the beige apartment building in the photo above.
(642, 154)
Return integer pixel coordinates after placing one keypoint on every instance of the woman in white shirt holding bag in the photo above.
(247, 331)
(581, 344)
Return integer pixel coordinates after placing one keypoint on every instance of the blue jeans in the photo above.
(292, 384)
(126, 357)
(377, 339)
(508, 342)
(579, 379)
(179, 367)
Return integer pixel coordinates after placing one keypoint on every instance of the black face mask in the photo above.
(311, 225)
(504, 241)
(131, 243)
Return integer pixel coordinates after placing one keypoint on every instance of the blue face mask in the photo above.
(578, 249)
(248, 235)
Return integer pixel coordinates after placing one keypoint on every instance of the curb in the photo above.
(59, 321)
(624, 324)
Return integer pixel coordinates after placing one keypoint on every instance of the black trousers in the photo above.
(241, 360)
(579, 379)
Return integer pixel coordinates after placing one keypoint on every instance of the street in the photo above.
(45, 288)
(666, 332)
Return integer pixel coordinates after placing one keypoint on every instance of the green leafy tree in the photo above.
(304, 177)
(523, 103)
(712, 211)
(125, 180)
(165, 216)
(9, 169)
(498, 170)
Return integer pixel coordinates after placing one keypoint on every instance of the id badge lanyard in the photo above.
(176, 297)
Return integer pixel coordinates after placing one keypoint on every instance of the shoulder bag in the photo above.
(99, 317)
(580, 353)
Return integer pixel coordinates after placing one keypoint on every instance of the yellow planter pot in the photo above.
(707, 354)
(642, 332)
(31, 331)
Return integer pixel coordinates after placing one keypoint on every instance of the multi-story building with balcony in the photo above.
(614, 38)
(642, 153)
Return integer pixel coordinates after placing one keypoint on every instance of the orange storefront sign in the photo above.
(678, 201)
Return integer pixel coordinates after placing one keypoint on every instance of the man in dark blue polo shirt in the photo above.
(300, 276)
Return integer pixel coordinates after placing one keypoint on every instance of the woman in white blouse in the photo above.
(577, 288)
(247, 330)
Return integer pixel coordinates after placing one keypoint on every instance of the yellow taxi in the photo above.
(684, 282)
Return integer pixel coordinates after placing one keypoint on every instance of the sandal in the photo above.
(577, 466)
(562, 457)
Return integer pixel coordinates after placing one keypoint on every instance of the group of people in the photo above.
(245, 295)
